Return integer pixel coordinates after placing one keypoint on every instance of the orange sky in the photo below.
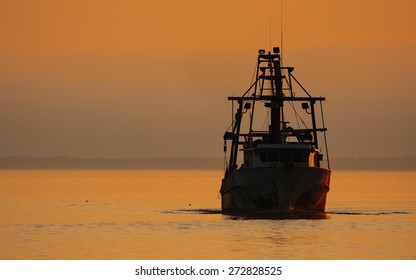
(111, 78)
(182, 26)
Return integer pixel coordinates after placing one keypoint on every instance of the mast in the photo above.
(277, 104)
(276, 88)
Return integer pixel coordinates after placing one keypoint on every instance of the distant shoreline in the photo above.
(105, 163)
(404, 163)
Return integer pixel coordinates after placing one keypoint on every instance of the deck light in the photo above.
(305, 106)
(261, 51)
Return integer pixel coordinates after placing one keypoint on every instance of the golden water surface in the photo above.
(138, 214)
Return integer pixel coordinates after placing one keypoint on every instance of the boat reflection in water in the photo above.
(276, 130)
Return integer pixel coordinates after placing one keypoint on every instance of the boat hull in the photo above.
(279, 189)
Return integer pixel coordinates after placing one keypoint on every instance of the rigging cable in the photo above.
(326, 144)
(298, 116)
(291, 103)
(281, 31)
(225, 156)
(266, 119)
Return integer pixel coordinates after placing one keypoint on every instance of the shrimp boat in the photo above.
(275, 163)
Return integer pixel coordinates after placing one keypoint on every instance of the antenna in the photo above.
(270, 33)
(281, 31)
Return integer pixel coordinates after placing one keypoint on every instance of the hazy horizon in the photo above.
(151, 79)
(182, 163)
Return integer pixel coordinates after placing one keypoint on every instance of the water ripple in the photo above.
(369, 212)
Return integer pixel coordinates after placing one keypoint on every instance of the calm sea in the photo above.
(176, 215)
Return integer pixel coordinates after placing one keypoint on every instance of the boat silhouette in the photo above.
(275, 163)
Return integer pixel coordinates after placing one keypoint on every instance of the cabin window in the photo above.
(298, 156)
(285, 156)
(263, 156)
(305, 157)
(273, 156)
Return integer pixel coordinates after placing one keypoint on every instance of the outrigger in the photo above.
(282, 167)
